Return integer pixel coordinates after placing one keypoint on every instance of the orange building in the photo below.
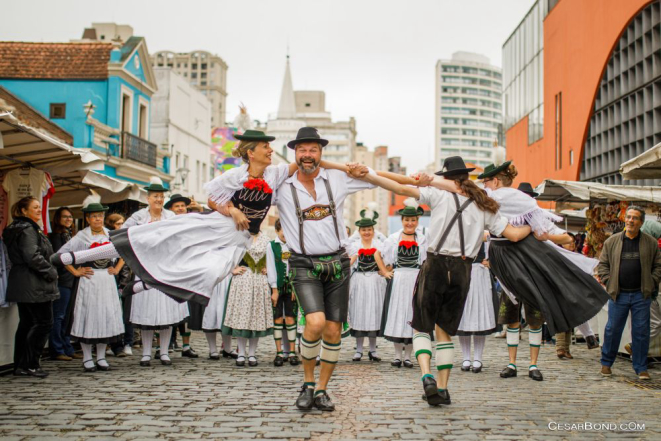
(582, 88)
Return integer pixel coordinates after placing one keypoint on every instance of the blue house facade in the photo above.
(99, 92)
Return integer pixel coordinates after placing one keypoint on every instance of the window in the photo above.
(143, 122)
(58, 111)
(184, 182)
(193, 75)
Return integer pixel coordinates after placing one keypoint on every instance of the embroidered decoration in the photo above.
(316, 212)
(286, 255)
(366, 260)
(407, 254)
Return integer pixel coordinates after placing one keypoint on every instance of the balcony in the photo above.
(138, 149)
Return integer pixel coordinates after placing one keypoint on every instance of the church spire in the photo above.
(287, 107)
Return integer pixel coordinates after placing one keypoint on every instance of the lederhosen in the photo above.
(320, 282)
(285, 306)
(443, 283)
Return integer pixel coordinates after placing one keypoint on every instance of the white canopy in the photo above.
(644, 166)
(573, 192)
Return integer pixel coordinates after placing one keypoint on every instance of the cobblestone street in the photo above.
(200, 399)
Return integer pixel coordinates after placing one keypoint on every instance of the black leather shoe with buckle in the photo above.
(278, 361)
(408, 364)
(396, 363)
(305, 400)
(323, 402)
(294, 360)
(190, 353)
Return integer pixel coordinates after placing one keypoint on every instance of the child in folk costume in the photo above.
(97, 311)
(249, 313)
(406, 251)
(368, 286)
(479, 317)
(285, 306)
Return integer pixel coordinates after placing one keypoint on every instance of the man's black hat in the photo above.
(177, 198)
(307, 134)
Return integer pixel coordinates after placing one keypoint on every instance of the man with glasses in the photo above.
(630, 269)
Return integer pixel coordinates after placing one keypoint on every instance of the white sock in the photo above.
(242, 342)
(253, 346)
(227, 342)
(398, 351)
(465, 342)
(88, 359)
(421, 344)
(359, 345)
(372, 344)
(513, 337)
(291, 332)
(478, 346)
(139, 287)
(103, 252)
(444, 355)
(147, 341)
(211, 339)
(164, 341)
(586, 330)
(407, 352)
(535, 337)
(101, 354)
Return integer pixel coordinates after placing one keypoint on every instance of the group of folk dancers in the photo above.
(186, 258)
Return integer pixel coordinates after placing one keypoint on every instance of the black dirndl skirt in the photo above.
(196, 316)
(539, 275)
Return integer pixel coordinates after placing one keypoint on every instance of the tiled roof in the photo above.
(57, 61)
(30, 117)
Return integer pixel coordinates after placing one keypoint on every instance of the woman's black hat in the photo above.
(454, 165)
(254, 135)
(307, 134)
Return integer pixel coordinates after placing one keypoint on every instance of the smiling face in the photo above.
(179, 207)
(155, 199)
(261, 154)
(308, 157)
(633, 221)
(409, 224)
(366, 233)
(33, 212)
(66, 219)
(95, 220)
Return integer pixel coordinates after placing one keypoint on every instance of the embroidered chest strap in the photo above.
(455, 218)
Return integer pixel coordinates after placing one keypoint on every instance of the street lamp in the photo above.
(180, 177)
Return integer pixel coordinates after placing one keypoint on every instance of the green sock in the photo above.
(311, 384)
(425, 376)
(320, 391)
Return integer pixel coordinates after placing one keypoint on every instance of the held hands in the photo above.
(239, 270)
(422, 179)
(84, 271)
(386, 274)
(274, 296)
(240, 219)
(356, 170)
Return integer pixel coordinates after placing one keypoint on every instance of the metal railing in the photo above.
(138, 149)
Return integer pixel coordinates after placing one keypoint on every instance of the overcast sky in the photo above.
(375, 59)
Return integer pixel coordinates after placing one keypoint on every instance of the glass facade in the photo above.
(626, 120)
(523, 73)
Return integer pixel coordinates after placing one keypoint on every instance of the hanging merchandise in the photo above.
(47, 194)
(23, 182)
(4, 204)
(603, 219)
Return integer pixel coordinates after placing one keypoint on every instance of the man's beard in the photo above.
(305, 167)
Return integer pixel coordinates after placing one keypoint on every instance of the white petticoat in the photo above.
(98, 312)
(400, 307)
(479, 312)
(213, 314)
(152, 308)
(366, 297)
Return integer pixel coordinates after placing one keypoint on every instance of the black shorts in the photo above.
(508, 313)
(321, 283)
(440, 293)
(285, 307)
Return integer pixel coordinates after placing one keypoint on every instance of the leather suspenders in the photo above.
(455, 218)
(299, 213)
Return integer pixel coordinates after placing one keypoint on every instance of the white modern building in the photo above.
(468, 108)
(378, 160)
(180, 126)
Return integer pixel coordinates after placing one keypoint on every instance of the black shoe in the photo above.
(323, 402)
(158, 354)
(241, 361)
(278, 361)
(88, 369)
(465, 368)
(214, 356)
(508, 372)
(166, 362)
(294, 360)
(38, 372)
(56, 259)
(145, 363)
(252, 361)
(102, 368)
(431, 391)
(477, 370)
(357, 357)
(305, 400)
(374, 357)
(319, 361)
(408, 364)
(233, 355)
(190, 353)
(592, 342)
(536, 375)
(20, 372)
(396, 363)
(445, 397)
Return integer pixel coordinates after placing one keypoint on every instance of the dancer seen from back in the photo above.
(457, 225)
(285, 307)
(406, 250)
(368, 285)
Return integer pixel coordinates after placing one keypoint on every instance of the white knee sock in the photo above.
(242, 342)
(535, 337)
(103, 252)
(407, 352)
(88, 359)
(330, 352)
(101, 354)
(359, 345)
(586, 329)
(227, 342)
(147, 336)
(478, 347)
(253, 346)
(310, 350)
(421, 344)
(372, 344)
(513, 337)
(139, 287)
(291, 332)
(277, 331)
(398, 351)
(465, 342)
(164, 340)
(444, 355)
(211, 340)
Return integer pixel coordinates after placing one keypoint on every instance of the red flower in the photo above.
(366, 251)
(408, 243)
(259, 185)
(98, 244)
